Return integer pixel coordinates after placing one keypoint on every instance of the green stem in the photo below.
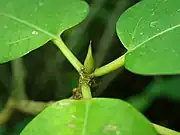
(119, 62)
(86, 91)
(68, 54)
(165, 131)
(18, 78)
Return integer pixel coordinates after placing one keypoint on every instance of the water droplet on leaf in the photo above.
(153, 24)
(41, 3)
(35, 32)
(70, 125)
(5, 26)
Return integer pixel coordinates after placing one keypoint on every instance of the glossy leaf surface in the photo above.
(98, 116)
(26, 25)
(150, 31)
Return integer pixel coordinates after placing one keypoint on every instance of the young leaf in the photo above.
(89, 61)
(90, 117)
(150, 31)
(27, 25)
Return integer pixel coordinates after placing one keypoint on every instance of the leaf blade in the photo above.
(151, 37)
(26, 26)
(87, 117)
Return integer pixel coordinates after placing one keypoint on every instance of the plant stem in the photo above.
(86, 91)
(68, 54)
(119, 62)
(18, 78)
(165, 131)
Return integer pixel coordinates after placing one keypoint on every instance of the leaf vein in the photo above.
(87, 107)
(28, 24)
(134, 31)
(156, 35)
(13, 42)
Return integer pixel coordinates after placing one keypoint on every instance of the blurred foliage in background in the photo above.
(50, 77)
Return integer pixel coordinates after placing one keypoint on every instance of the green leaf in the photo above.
(98, 116)
(150, 31)
(165, 87)
(27, 25)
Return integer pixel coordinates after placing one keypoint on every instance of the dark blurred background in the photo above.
(50, 77)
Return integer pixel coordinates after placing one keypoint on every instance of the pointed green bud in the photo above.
(89, 61)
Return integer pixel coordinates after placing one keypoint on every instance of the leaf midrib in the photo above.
(155, 36)
(28, 24)
(87, 107)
